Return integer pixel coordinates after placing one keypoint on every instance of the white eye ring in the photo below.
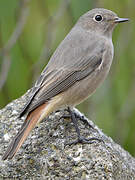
(98, 18)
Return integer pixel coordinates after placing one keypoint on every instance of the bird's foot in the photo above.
(83, 140)
(74, 116)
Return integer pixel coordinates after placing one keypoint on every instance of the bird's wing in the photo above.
(57, 78)
(62, 79)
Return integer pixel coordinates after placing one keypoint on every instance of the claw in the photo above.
(83, 140)
(74, 116)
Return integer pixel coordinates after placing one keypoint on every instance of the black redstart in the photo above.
(77, 67)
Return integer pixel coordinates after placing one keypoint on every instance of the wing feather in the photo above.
(66, 67)
(63, 81)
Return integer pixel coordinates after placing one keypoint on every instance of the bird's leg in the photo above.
(77, 116)
(83, 119)
(80, 139)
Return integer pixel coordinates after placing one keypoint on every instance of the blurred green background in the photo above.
(30, 31)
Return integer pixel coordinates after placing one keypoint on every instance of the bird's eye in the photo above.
(98, 18)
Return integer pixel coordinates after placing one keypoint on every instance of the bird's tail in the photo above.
(24, 131)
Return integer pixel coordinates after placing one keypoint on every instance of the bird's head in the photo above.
(100, 20)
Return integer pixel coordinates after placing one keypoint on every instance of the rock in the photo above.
(45, 155)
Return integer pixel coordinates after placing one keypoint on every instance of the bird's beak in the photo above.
(120, 20)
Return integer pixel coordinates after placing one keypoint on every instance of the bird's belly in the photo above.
(84, 88)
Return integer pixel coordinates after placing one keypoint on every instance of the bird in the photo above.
(75, 70)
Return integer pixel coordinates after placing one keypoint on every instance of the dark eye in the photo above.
(98, 18)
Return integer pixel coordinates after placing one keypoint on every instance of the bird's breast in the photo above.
(85, 87)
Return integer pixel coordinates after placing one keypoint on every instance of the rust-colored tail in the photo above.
(24, 131)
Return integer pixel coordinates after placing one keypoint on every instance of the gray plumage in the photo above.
(76, 69)
(85, 48)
